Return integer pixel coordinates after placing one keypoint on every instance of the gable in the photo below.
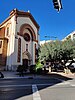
(18, 13)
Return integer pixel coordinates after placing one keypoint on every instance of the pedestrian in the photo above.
(2, 76)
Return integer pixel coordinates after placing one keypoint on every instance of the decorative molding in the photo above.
(27, 26)
(36, 41)
(18, 13)
(2, 32)
(7, 25)
(19, 50)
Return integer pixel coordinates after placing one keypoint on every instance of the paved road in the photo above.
(37, 89)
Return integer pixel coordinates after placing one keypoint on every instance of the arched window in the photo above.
(26, 47)
(7, 31)
(19, 50)
(0, 44)
(27, 37)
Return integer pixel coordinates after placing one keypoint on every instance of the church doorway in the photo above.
(26, 58)
(25, 64)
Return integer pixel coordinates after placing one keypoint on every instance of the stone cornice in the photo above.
(18, 13)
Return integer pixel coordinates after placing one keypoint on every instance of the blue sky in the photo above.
(51, 23)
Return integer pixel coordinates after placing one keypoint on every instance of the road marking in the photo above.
(15, 85)
(21, 98)
(36, 95)
(22, 85)
(50, 84)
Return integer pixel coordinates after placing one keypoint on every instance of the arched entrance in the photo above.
(25, 62)
(28, 37)
(26, 58)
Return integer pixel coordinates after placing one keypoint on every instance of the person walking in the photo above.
(1, 75)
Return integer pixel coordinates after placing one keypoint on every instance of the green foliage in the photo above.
(38, 65)
(58, 50)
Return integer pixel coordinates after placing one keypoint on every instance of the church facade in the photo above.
(19, 40)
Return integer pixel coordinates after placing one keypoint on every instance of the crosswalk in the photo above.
(36, 95)
(35, 89)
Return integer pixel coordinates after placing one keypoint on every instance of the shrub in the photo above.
(21, 68)
(39, 71)
(32, 69)
(38, 65)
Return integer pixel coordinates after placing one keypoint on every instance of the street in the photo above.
(37, 89)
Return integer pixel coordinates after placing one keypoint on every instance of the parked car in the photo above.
(57, 68)
(72, 67)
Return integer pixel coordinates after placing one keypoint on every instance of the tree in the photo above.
(58, 51)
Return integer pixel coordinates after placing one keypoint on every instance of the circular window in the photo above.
(27, 37)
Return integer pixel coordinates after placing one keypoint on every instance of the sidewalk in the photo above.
(11, 75)
(70, 75)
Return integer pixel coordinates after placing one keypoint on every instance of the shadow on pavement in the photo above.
(59, 76)
(15, 92)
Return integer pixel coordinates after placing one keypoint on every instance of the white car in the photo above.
(73, 64)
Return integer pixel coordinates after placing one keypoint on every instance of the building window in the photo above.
(19, 50)
(26, 47)
(0, 44)
(35, 52)
(27, 37)
(7, 31)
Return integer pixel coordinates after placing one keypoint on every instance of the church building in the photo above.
(19, 40)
